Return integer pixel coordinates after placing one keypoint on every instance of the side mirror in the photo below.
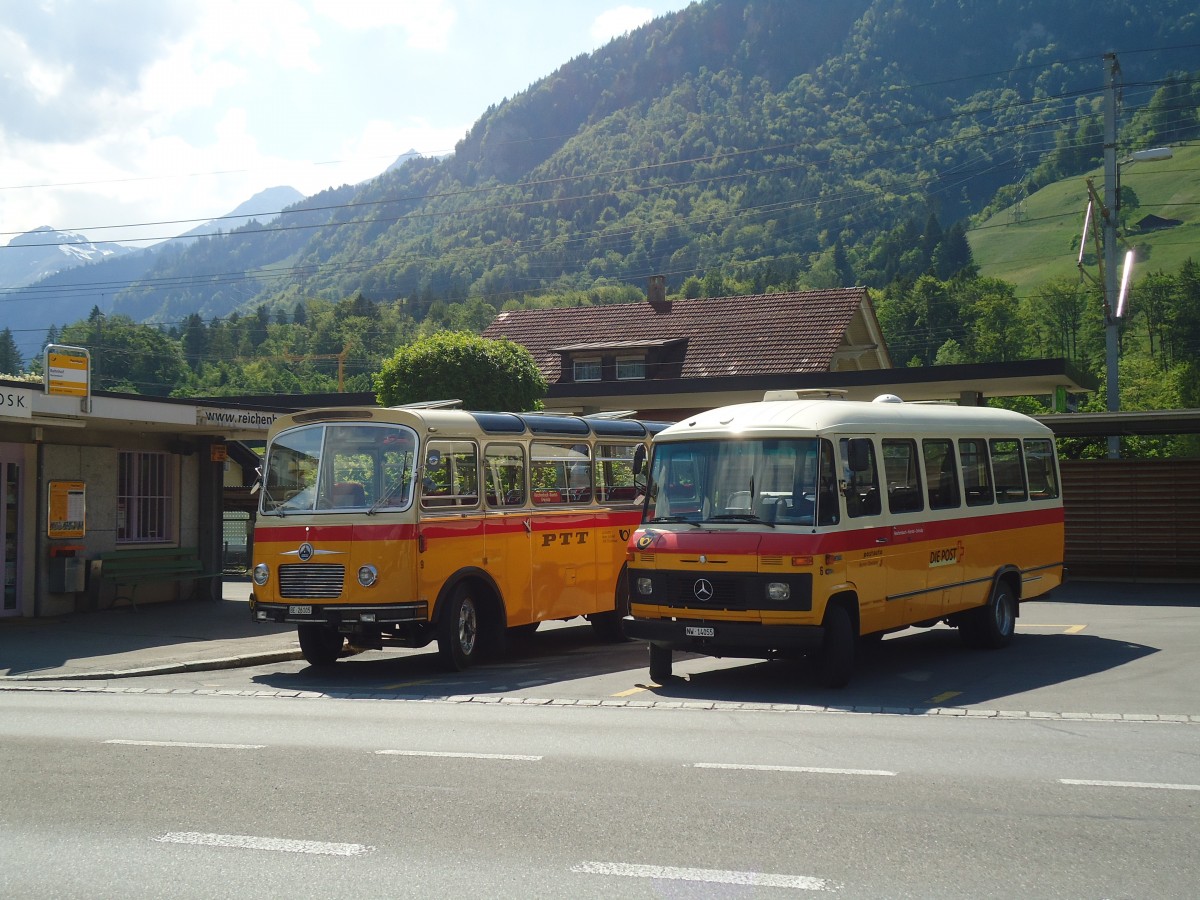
(859, 455)
(639, 459)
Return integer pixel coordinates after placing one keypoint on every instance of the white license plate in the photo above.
(299, 610)
(697, 631)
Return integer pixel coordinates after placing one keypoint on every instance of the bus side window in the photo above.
(504, 475)
(861, 482)
(1039, 461)
(903, 475)
(941, 473)
(1008, 471)
(977, 474)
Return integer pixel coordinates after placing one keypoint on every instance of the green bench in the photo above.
(128, 569)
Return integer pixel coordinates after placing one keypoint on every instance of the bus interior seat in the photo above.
(348, 493)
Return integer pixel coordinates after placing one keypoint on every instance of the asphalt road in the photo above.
(187, 795)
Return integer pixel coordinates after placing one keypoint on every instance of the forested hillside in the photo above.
(751, 137)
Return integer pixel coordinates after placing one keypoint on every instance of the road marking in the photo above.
(1075, 629)
(404, 684)
(944, 696)
(447, 755)
(250, 842)
(1132, 784)
(710, 876)
(1067, 629)
(631, 691)
(188, 744)
(814, 770)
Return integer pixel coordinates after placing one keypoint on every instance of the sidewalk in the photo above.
(187, 635)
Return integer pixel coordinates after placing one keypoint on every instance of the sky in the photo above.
(129, 120)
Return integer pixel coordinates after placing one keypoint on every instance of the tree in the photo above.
(11, 362)
(484, 374)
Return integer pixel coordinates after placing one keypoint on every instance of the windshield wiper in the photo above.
(739, 517)
(657, 519)
(385, 496)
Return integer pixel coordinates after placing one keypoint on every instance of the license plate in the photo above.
(697, 631)
(299, 610)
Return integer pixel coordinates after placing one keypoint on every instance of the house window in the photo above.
(145, 497)
(587, 370)
(631, 368)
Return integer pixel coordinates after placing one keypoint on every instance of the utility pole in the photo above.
(1111, 320)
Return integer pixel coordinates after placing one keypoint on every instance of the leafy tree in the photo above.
(127, 356)
(484, 374)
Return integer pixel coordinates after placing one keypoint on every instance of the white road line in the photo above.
(438, 753)
(710, 876)
(188, 744)
(1132, 784)
(250, 842)
(810, 769)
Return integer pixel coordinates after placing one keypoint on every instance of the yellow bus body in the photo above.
(933, 548)
(479, 516)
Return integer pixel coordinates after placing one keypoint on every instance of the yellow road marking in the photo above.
(631, 691)
(1075, 629)
(1068, 629)
(403, 684)
(943, 697)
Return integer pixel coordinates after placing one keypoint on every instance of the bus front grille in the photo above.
(311, 581)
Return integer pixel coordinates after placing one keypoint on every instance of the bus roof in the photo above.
(448, 421)
(812, 415)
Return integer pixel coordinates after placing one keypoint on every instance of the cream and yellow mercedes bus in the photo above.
(803, 524)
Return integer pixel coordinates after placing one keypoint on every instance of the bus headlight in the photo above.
(779, 590)
(645, 586)
(367, 575)
(261, 574)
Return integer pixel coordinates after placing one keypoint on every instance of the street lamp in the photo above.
(1114, 300)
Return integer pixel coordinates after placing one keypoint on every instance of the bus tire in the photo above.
(835, 663)
(660, 664)
(997, 622)
(458, 630)
(320, 644)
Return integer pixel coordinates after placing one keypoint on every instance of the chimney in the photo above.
(656, 293)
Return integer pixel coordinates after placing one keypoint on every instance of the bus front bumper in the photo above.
(338, 615)
(717, 638)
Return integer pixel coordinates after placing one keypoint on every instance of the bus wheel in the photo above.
(660, 664)
(320, 644)
(836, 661)
(998, 620)
(458, 630)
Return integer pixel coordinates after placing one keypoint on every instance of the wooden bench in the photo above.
(132, 568)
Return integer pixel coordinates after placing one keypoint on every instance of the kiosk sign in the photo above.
(68, 371)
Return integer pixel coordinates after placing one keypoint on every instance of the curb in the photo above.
(171, 668)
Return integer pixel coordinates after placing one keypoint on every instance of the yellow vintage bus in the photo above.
(402, 526)
(806, 523)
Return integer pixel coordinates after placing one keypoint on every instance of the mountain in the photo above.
(42, 252)
(93, 274)
(758, 143)
(264, 207)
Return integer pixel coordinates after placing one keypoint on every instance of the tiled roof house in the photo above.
(666, 358)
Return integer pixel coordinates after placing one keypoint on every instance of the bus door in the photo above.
(564, 568)
(946, 550)
(450, 526)
(507, 528)
(869, 535)
(907, 556)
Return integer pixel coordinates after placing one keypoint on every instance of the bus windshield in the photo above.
(340, 467)
(770, 480)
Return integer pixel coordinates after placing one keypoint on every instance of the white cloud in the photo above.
(426, 23)
(617, 21)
